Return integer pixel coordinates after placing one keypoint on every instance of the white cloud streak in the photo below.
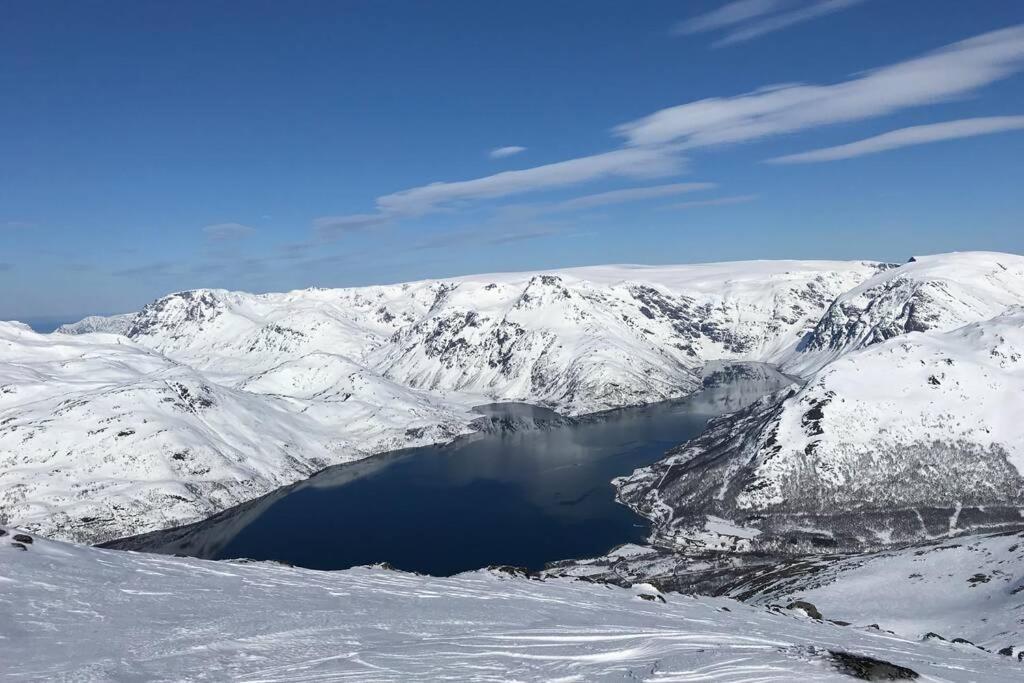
(222, 232)
(502, 152)
(953, 71)
(335, 226)
(653, 145)
(631, 194)
(729, 15)
(718, 201)
(621, 163)
(906, 137)
(647, 162)
(785, 20)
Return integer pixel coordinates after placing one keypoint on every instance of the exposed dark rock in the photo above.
(807, 607)
(197, 306)
(509, 570)
(964, 641)
(979, 578)
(869, 668)
(22, 538)
(19, 546)
(651, 598)
(193, 401)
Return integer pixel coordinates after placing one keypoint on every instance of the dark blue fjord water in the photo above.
(522, 498)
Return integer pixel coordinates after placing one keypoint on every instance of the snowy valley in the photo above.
(864, 520)
(210, 398)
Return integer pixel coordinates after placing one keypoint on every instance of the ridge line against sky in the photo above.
(346, 144)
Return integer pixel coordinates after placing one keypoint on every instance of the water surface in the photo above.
(522, 498)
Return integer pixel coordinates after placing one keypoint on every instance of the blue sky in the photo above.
(147, 147)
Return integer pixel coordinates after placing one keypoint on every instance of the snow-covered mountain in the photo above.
(929, 293)
(344, 373)
(101, 437)
(916, 437)
(595, 338)
(577, 341)
(212, 397)
(110, 324)
(70, 612)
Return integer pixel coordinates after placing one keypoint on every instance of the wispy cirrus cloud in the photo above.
(717, 201)
(748, 19)
(907, 137)
(953, 71)
(223, 232)
(464, 238)
(527, 212)
(646, 162)
(159, 269)
(502, 152)
(653, 146)
(16, 225)
(330, 227)
(630, 194)
(727, 15)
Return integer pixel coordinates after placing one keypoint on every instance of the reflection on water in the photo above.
(522, 498)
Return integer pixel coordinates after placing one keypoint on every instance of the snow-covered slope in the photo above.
(101, 437)
(916, 437)
(216, 397)
(70, 612)
(969, 588)
(929, 293)
(577, 341)
(110, 324)
(221, 396)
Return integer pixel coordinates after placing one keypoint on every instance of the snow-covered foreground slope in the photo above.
(917, 437)
(930, 293)
(69, 612)
(101, 437)
(969, 588)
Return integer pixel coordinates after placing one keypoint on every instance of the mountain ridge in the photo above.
(394, 366)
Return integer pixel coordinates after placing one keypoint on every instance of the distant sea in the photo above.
(46, 325)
